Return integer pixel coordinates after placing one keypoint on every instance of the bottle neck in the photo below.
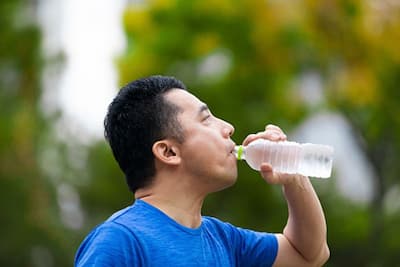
(240, 152)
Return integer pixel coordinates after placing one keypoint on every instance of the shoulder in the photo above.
(109, 238)
(109, 243)
(217, 226)
(231, 234)
(110, 231)
(251, 247)
(117, 229)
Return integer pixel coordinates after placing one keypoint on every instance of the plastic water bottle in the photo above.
(288, 157)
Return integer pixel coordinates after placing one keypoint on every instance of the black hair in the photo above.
(137, 117)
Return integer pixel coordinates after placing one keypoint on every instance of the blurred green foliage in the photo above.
(31, 232)
(244, 59)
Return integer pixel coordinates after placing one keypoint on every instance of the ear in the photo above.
(167, 152)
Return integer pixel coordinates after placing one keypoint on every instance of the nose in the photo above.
(227, 129)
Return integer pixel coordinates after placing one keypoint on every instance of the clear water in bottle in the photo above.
(316, 160)
(289, 157)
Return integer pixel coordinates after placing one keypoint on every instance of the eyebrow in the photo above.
(203, 108)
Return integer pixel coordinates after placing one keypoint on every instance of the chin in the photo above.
(226, 182)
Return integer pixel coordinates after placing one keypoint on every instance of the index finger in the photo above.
(272, 133)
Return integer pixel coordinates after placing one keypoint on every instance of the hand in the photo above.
(272, 133)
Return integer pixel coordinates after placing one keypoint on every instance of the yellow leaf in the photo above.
(358, 85)
(205, 43)
(137, 20)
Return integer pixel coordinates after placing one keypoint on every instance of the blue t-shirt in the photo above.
(142, 235)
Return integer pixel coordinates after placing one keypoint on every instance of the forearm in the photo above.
(303, 242)
(306, 226)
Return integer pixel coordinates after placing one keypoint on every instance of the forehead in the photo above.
(186, 101)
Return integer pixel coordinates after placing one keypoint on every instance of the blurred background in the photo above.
(325, 71)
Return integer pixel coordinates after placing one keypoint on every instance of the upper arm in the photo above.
(289, 256)
(246, 247)
(256, 248)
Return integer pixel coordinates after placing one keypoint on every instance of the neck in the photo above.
(184, 207)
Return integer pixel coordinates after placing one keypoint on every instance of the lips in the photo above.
(231, 148)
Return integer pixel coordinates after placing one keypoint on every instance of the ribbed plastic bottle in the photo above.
(288, 157)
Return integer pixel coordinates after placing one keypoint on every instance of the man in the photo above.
(174, 152)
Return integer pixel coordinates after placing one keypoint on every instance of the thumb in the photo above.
(268, 174)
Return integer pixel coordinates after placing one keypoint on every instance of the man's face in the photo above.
(206, 152)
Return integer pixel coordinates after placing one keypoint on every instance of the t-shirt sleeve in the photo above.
(110, 244)
(253, 248)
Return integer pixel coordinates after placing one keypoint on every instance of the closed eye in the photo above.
(207, 117)
(205, 112)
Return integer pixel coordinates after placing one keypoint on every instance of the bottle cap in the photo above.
(238, 152)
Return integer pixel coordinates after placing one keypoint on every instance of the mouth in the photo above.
(232, 149)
